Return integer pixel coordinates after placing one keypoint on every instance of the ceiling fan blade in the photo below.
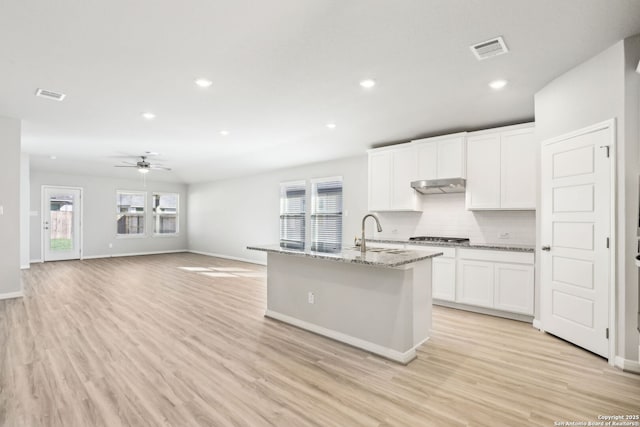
(124, 166)
(156, 167)
(129, 163)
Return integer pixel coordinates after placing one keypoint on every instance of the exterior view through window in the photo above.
(130, 207)
(292, 214)
(326, 214)
(165, 213)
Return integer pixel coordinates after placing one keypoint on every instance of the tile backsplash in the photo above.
(445, 215)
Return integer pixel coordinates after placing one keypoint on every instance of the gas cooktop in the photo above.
(436, 239)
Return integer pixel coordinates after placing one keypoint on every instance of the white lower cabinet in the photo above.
(443, 278)
(500, 280)
(513, 290)
(443, 271)
(475, 283)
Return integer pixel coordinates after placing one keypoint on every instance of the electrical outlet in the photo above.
(504, 235)
(311, 298)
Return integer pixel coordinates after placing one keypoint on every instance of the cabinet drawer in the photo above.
(446, 251)
(497, 256)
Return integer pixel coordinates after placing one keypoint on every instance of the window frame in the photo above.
(143, 215)
(153, 214)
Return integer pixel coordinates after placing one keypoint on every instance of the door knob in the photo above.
(546, 248)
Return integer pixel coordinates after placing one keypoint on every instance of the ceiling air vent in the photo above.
(489, 48)
(49, 94)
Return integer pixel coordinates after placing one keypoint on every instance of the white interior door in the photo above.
(61, 215)
(576, 230)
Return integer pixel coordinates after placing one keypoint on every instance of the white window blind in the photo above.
(130, 212)
(326, 215)
(293, 200)
(165, 213)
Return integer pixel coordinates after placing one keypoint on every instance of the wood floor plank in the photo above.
(138, 341)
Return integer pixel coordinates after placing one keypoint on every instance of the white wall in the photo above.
(226, 216)
(25, 194)
(445, 215)
(10, 284)
(602, 88)
(99, 216)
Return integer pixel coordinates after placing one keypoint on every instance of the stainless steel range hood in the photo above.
(439, 186)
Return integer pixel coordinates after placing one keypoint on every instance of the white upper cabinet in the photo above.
(441, 157)
(518, 155)
(380, 181)
(428, 161)
(501, 169)
(391, 171)
(404, 170)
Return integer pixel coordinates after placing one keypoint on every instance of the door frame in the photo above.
(42, 209)
(610, 126)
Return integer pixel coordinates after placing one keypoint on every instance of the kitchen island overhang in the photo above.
(377, 301)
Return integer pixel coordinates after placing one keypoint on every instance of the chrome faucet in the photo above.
(363, 244)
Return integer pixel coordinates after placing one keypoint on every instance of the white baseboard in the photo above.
(385, 352)
(10, 295)
(538, 325)
(35, 261)
(135, 254)
(25, 267)
(627, 365)
(250, 261)
(482, 310)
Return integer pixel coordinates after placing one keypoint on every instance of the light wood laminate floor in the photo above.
(138, 341)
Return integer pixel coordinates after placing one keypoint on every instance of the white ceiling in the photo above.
(281, 70)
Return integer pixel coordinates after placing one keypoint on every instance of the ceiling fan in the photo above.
(143, 165)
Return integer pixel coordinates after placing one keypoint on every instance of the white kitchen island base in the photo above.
(383, 310)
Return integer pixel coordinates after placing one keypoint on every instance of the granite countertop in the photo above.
(388, 258)
(467, 245)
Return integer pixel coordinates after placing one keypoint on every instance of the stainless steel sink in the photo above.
(381, 250)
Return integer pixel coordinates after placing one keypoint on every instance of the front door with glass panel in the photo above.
(61, 223)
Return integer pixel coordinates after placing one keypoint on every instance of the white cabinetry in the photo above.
(443, 278)
(501, 169)
(475, 285)
(441, 157)
(391, 171)
(496, 279)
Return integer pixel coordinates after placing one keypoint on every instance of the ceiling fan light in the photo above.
(143, 170)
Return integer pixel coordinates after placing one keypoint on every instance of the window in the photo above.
(326, 214)
(165, 213)
(292, 214)
(130, 208)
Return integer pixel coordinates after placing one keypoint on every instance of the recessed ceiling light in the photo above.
(497, 84)
(224, 132)
(331, 125)
(368, 83)
(52, 157)
(149, 116)
(203, 82)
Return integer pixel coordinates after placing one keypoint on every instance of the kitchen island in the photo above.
(379, 301)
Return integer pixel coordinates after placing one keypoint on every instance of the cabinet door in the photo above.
(443, 279)
(451, 158)
(428, 160)
(483, 172)
(514, 288)
(380, 181)
(475, 283)
(518, 156)
(404, 170)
